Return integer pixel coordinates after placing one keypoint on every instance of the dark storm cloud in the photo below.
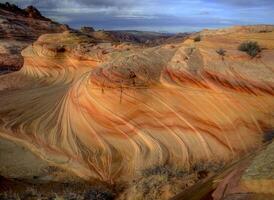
(159, 15)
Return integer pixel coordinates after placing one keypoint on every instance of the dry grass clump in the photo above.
(164, 171)
(164, 182)
(98, 193)
(159, 183)
(94, 193)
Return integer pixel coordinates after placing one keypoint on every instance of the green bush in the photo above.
(251, 48)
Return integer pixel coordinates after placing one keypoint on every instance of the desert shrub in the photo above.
(204, 166)
(197, 38)
(163, 171)
(265, 31)
(70, 196)
(251, 48)
(98, 193)
(158, 170)
(221, 52)
(60, 49)
(159, 182)
(30, 194)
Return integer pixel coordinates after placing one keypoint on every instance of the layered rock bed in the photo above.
(156, 120)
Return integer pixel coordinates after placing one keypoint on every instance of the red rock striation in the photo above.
(107, 112)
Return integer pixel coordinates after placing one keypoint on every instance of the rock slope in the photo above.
(18, 29)
(107, 112)
(259, 176)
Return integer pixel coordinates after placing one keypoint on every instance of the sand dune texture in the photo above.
(108, 111)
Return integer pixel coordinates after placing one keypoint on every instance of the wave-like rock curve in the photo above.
(111, 112)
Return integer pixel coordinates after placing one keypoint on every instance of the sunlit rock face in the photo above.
(107, 111)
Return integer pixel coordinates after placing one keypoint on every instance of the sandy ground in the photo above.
(16, 161)
(24, 176)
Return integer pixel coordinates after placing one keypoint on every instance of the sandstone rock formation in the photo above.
(18, 29)
(108, 112)
(259, 176)
(241, 29)
(243, 179)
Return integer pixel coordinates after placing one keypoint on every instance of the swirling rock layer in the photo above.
(107, 111)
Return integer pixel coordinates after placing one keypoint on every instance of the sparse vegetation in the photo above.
(207, 166)
(221, 52)
(265, 31)
(252, 48)
(160, 182)
(92, 193)
(98, 193)
(163, 170)
(8, 196)
(198, 38)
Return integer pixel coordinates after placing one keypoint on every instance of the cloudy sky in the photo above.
(155, 15)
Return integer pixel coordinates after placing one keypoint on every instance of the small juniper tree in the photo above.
(221, 52)
(251, 48)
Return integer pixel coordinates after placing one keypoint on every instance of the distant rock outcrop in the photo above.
(259, 176)
(138, 37)
(19, 28)
(30, 11)
(240, 29)
(87, 29)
